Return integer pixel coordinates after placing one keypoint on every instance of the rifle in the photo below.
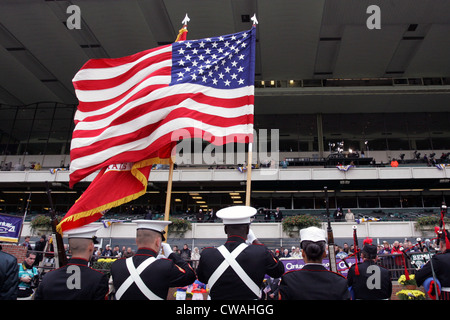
(356, 249)
(61, 258)
(331, 248)
(442, 223)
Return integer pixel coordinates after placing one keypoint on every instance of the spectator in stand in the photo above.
(386, 248)
(26, 243)
(394, 163)
(98, 253)
(341, 254)
(349, 216)
(116, 252)
(338, 215)
(278, 215)
(346, 248)
(107, 252)
(28, 277)
(296, 253)
(37, 166)
(195, 257)
(277, 253)
(149, 213)
(285, 254)
(396, 249)
(39, 247)
(176, 250)
(128, 253)
(185, 252)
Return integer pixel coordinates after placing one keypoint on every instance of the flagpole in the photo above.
(249, 175)
(181, 36)
(168, 195)
(250, 156)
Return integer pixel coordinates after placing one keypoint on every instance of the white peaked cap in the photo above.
(312, 234)
(85, 232)
(155, 225)
(236, 214)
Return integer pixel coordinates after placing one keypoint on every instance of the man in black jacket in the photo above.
(9, 276)
(145, 275)
(440, 264)
(236, 270)
(368, 280)
(313, 281)
(76, 280)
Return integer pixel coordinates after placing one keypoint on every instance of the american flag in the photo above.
(131, 107)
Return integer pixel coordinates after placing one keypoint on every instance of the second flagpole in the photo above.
(168, 195)
(249, 175)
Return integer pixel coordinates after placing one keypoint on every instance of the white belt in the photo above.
(230, 261)
(445, 289)
(135, 278)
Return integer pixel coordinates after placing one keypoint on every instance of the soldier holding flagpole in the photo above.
(144, 276)
(236, 269)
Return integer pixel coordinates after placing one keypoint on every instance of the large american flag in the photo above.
(131, 107)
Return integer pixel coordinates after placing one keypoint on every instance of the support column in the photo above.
(320, 134)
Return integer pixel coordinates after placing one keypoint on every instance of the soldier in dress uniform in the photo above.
(369, 281)
(441, 265)
(145, 276)
(236, 270)
(313, 281)
(76, 281)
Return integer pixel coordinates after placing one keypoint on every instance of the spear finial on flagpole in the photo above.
(185, 20)
(182, 33)
(255, 21)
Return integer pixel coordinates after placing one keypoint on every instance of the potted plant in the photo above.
(179, 226)
(103, 265)
(426, 224)
(293, 224)
(408, 281)
(410, 295)
(41, 225)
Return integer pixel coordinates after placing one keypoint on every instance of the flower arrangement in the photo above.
(103, 265)
(295, 223)
(410, 280)
(179, 226)
(42, 224)
(423, 223)
(411, 295)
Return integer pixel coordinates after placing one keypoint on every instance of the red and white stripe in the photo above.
(127, 111)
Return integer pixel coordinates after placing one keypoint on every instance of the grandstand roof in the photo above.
(297, 40)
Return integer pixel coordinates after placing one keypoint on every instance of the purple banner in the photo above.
(296, 264)
(10, 228)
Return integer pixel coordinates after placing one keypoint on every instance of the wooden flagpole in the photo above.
(169, 182)
(168, 195)
(250, 155)
(249, 175)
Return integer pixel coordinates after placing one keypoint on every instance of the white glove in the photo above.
(167, 249)
(250, 237)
